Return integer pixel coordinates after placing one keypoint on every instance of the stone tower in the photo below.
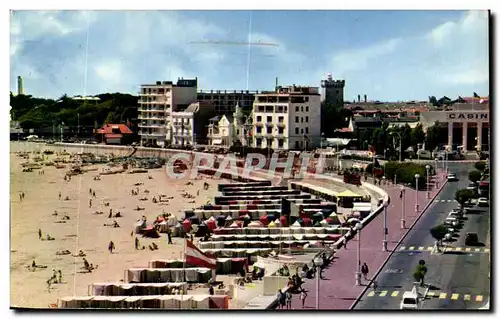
(332, 91)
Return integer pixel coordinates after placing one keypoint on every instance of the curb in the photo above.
(431, 201)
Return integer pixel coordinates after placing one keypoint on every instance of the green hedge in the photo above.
(405, 172)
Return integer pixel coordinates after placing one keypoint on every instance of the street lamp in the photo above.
(417, 176)
(321, 141)
(384, 241)
(318, 262)
(399, 135)
(427, 168)
(403, 222)
(358, 228)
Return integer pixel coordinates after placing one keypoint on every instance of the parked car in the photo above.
(471, 239)
(452, 177)
(483, 202)
(451, 221)
(410, 300)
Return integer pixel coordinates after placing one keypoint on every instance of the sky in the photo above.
(387, 55)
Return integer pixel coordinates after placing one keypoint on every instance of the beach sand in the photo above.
(85, 231)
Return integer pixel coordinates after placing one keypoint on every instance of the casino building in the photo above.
(468, 123)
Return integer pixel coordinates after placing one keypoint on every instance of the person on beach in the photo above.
(39, 233)
(110, 213)
(93, 194)
(90, 203)
(60, 195)
(288, 296)
(364, 270)
(59, 272)
(90, 191)
(136, 243)
(20, 197)
(303, 296)
(111, 247)
(54, 276)
(281, 299)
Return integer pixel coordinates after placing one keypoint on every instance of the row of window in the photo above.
(269, 119)
(269, 130)
(301, 119)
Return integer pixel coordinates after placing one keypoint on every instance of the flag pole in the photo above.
(183, 272)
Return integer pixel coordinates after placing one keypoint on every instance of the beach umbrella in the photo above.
(187, 225)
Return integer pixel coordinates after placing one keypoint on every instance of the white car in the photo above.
(453, 214)
(409, 301)
(451, 221)
(452, 177)
(483, 201)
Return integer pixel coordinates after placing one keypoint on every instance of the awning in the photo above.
(348, 193)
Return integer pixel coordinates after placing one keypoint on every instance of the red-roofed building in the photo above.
(115, 134)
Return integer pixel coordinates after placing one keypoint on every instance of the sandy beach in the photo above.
(84, 230)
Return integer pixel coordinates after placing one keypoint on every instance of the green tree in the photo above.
(422, 269)
(432, 136)
(438, 232)
(417, 135)
(475, 176)
(480, 166)
(462, 196)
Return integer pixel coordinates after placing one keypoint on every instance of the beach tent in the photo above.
(194, 219)
(138, 227)
(277, 223)
(186, 225)
(150, 232)
(211, 224)
(271, 225)
(255, 224)
(229, 218)
(202, 230)
(234, 225)
(328, 220)
(306, 221)
(296, 224)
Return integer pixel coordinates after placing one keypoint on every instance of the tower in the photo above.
(332, 91)
(20, 89)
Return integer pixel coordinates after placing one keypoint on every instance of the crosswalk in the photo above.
(444, 249)
(430, 294)
(445, 201)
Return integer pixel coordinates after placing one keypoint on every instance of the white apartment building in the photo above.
(289, 118)
(157, 102)
(181, 129)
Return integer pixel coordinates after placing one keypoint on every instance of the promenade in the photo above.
(338, 289)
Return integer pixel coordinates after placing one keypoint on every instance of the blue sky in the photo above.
(388, 55)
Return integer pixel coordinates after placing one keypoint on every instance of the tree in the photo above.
(417, 135)
(438, 232)
(480, 166)
(432, 137)
(475, 176)
(422, 269)
(462, 196)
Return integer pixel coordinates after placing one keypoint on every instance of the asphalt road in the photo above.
(456, 279)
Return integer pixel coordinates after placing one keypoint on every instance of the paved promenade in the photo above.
(338, 289)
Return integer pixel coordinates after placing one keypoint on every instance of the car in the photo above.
(454, 214)
(410, 300)
(471, 239)
(451, 221)
(452, 177)
(483, 202)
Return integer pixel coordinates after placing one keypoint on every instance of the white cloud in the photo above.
(358, 59)
(109, 71)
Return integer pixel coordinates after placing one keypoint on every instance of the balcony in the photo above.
(151, 125)
(258, 134)
(258, 124)
(157, 134)
(280, 124)
(269, 124)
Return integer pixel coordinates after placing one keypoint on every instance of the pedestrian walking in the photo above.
(111, 246)
(59, 272)
(93, 193)
(90, 203)
(39, 233)
(136, 243)
(281, 299)
(288, 296)
(364, 271)
(22, 195)
(303, 296)
(90, 191)
(374, 286)
(401, 194)
(59, 195)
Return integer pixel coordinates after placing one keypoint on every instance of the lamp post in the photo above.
(318, 262)
(321, 141)
(384, 241)
(427, 168)
(403, 217)
(358, 228)
(399, 135)
(417, 176)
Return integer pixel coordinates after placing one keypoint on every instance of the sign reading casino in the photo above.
(461, 116)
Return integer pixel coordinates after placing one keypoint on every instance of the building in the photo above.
(468, 124)
(157, 102)
(288, 118)
(332, 91)
(229, 129)
(224, 102)
(20, 87)
(87, 99)
(115, 134)
(188, 127)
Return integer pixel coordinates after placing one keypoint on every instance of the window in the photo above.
(296, 109)
(301, 131)
(269, 130)
(259, 129)
(296, 144)
(301, 120)
(307, 99)
(237, 132)
(307, 108)
(297, 130)
(259, 118)
(259, 142)
(307, 130)
(269, 119)
(296, 119)
(280, 143)
(280, 130)
(307, 119)
(281, 119)
(302, 109)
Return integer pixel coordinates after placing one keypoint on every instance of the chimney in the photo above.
(276, 85)
(365, 98)
(359, 98)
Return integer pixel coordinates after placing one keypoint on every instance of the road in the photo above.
(457, 279)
